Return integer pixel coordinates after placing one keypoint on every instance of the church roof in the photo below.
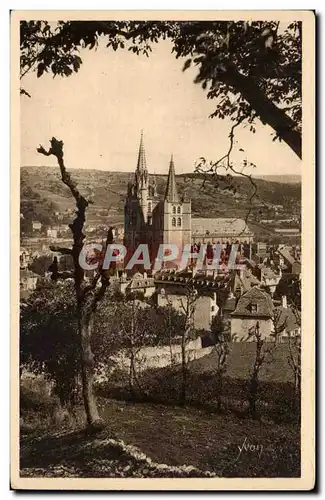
(219, 227)
(142, 164)
(171, 194)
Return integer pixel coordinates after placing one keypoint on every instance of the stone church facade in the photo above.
(149, 219)
(154, 221)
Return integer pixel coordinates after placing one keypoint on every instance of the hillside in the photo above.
(44, 197)
(283, 178)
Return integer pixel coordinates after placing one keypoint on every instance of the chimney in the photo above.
(284, 301)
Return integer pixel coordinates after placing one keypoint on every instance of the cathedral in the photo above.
(154, 220)
(150, 219)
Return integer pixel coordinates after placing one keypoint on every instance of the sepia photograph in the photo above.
(162, 250)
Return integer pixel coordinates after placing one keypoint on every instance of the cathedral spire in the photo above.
(141, 165)
(171, 194)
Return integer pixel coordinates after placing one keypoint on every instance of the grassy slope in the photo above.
(176, 435)
(171, 435)
(241, 359)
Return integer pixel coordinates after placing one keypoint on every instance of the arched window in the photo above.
(179, 209)
(179, 222)
(174, 221)
(174, 209)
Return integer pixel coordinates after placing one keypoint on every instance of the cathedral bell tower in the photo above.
(142, 180)
(177, 213)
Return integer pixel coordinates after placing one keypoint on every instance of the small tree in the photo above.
(188, 308)
(294, 360)
(49, 341)
(261, 356)
(88, 293)
(290, 286)
(222, 353)
(48, 338)
(170, 323)
(136, 329)
(220, 329)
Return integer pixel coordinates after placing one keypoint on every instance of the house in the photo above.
(229, 306)
(173, 289)
(36, 225)
(137, 284)
(286, 322)
(140, 284)
(244, 280)
(254, 308)
(24, 258)
(269, 278)
(52, 233)
(262, 250)
(289, 260)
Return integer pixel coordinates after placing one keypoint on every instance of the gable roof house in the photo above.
(254, 308)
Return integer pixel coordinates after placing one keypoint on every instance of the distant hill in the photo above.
(283, 179)
(43, 195)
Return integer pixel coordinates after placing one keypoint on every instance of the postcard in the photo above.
(162, 250)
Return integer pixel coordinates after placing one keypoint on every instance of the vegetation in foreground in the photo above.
(174, 442)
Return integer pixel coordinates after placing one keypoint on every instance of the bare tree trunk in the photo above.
(219, 393)
(87, 372)
(184, 371)
(295, 364)
(254, 382)
(170, 336)
(131, 376)
(86, 294)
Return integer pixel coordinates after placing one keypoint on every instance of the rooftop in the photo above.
(254, 296)
(220, 226)
(287, 319)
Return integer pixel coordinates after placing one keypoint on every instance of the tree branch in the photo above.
(266, 110)
(56, 149)
(61, 250)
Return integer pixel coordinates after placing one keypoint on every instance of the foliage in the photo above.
(41, 264)
(48, 336)
(49, 341)
(290, 286)
(252, 69)
(220, 328)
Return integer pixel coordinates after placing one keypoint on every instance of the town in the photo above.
(260, 290)
(160, 329)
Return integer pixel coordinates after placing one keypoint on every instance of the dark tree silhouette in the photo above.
(88, 294)
(252, 69)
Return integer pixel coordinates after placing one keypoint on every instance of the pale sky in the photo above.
(100, 111)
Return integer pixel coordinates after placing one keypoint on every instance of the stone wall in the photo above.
(159, 357)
